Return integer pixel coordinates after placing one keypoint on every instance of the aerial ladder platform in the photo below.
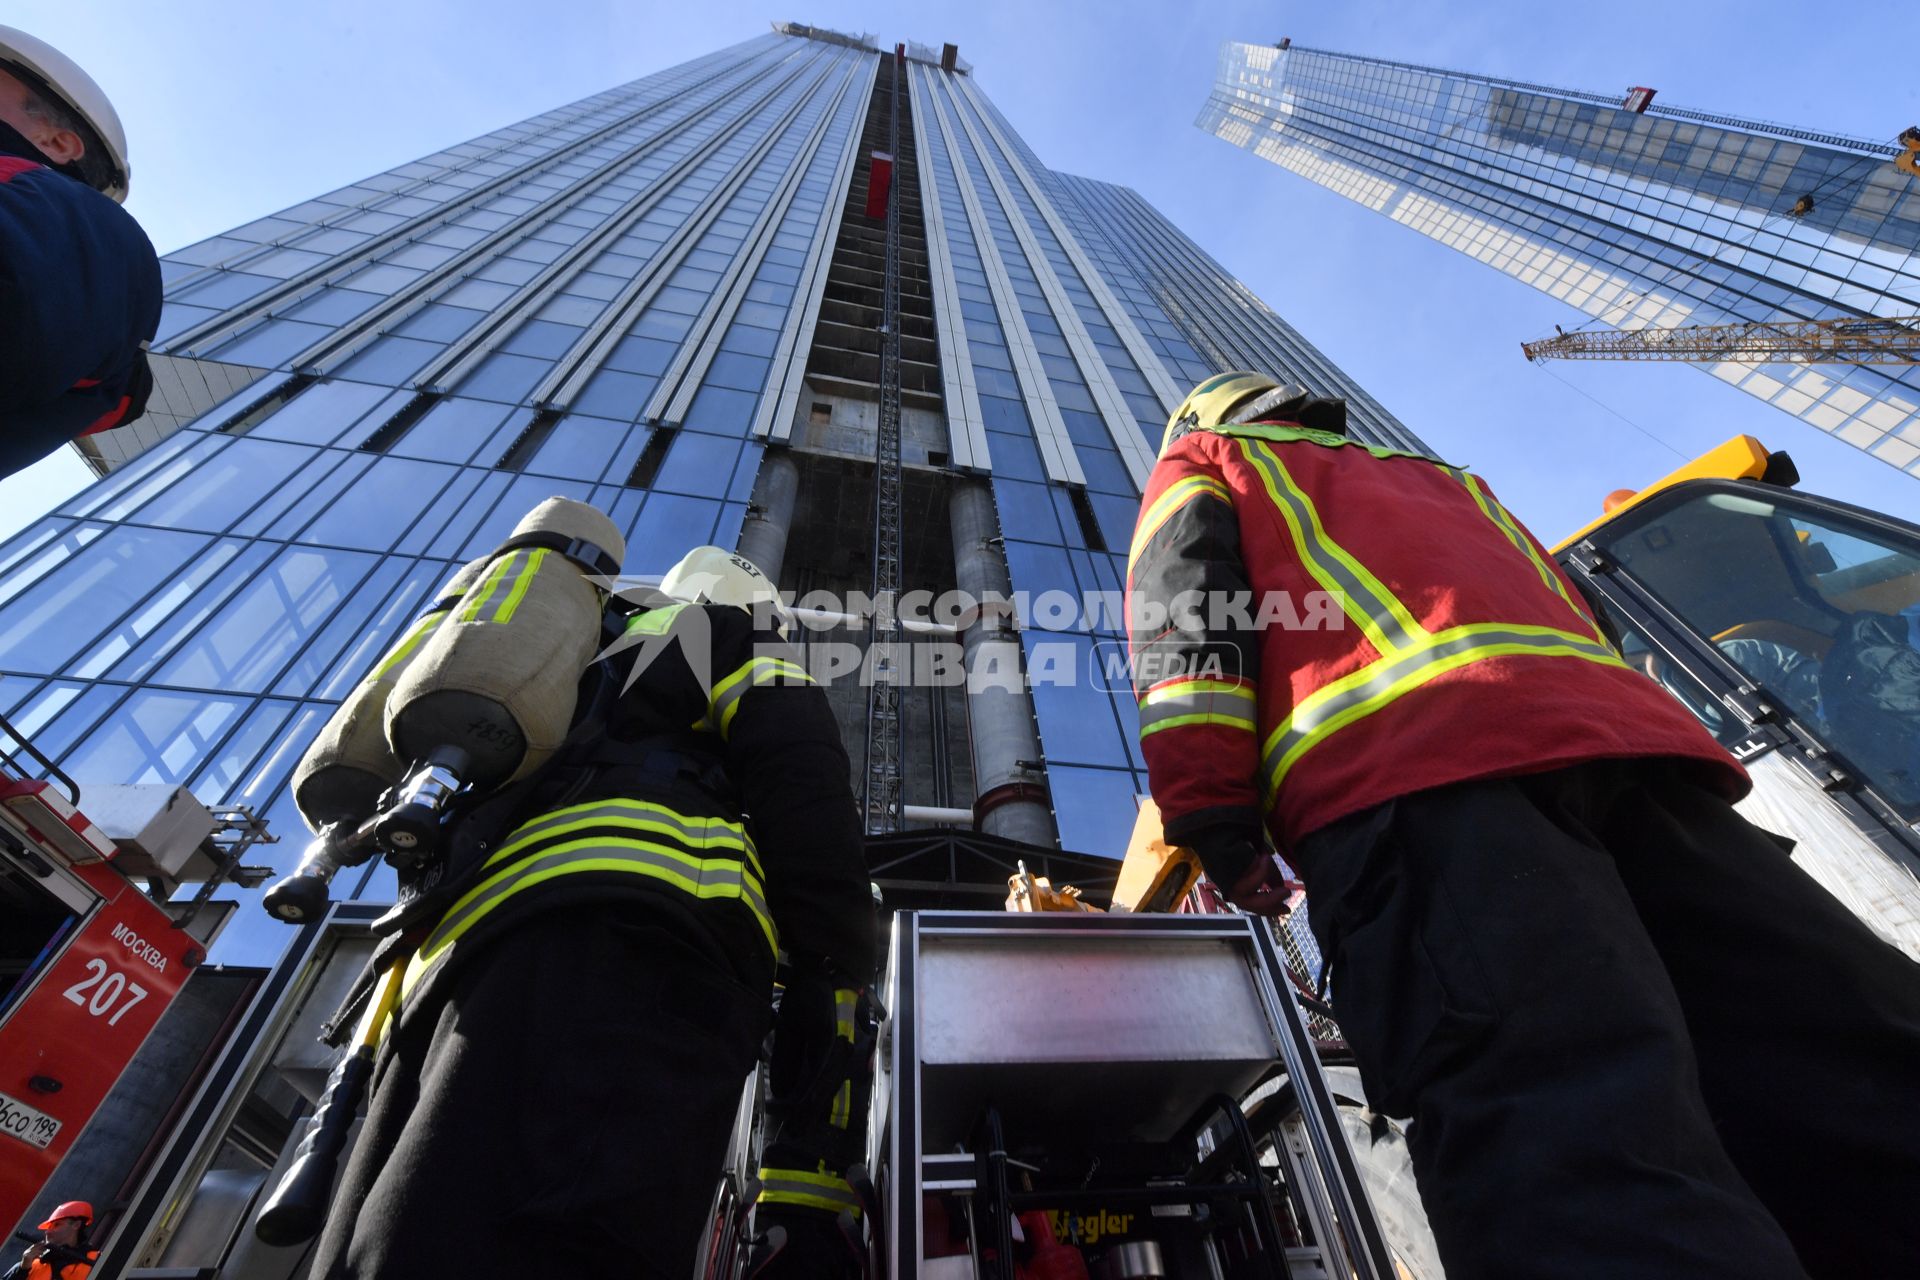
(1140, 1090)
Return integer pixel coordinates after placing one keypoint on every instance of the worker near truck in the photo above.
(1633, 1037)
(79, 282)
(62, 1253)
(595, 980)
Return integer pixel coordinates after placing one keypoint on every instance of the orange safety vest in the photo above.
(41, 1269)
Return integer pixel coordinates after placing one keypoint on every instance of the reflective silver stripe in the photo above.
(697, 833)
(792, 1186)
(845, 1002)
(1233, 707)
(476, 598)
(1503, 520)
(702, 878)
(1388, 625)
(503, 610)
(500, 595)
(1375, 686)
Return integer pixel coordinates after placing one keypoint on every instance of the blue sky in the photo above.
(237, 109)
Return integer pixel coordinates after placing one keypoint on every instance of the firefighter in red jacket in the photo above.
(1634, 1039)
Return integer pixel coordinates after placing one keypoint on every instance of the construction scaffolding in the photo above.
(882, 799)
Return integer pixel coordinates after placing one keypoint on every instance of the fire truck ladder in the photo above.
(1844, 339)
(882, 799)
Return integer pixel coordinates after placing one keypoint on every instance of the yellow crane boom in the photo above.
(1848, 339)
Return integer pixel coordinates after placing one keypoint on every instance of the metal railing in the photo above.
(41, 762)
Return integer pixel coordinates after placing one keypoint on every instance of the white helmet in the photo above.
(714, 575)
(52, 74)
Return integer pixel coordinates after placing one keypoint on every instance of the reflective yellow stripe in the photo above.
(1387, 624)
(815, 1190)
(1178, 495)
(519, 567)
(734, 873)
(404, 650)
(1200, 717)
(1361, 693)
(654, 622)
(520, 584)
(1410, 655)
(845, 1002)
(751, 674)
(477, 601)
(1176, 689)
(1307, 435)
(698, 833)
(1187, 702)
(1503, 520)
(700, 877)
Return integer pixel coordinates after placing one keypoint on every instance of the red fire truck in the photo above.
(89, 961)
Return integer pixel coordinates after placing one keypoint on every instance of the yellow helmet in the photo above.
(1242, 396)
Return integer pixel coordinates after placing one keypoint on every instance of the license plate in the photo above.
(18, 1120)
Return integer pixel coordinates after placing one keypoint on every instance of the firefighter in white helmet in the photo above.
(594, 968)
(714, 575)
(79, 282)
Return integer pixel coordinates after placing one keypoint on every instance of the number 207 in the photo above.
(108, 986)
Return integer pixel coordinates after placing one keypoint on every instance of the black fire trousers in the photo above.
(564, 1111)
(1634, 1038)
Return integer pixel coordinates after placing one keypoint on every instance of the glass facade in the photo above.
(1657, 218)
(613, 301)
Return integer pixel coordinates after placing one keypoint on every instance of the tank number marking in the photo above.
(18, 1120)
(488, 731)
(110, 984)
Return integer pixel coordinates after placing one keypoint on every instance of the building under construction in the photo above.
(1783, 261)
(806, 296)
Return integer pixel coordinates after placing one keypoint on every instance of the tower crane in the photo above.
(1842, 339)
(1848, 339)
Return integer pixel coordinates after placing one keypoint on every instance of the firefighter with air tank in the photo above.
(1635, 1039)
(613, 822)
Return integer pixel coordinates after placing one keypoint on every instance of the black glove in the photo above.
(1240, 864)
(821, 1074)
(1227, 851)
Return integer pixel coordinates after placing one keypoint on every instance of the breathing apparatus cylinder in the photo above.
(350, 766)
(490, 694)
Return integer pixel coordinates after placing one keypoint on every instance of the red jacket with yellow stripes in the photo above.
(1319, 626)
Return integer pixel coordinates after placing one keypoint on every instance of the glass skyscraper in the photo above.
(664, 300)
(1657, 217)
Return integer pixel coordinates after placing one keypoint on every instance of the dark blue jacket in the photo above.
(79, 297)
